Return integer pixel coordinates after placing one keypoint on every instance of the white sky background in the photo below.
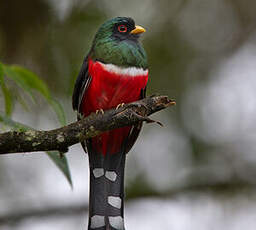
(227, 104)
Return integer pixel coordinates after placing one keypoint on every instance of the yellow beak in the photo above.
(138, 30)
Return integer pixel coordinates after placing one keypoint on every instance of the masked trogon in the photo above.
(115, 71)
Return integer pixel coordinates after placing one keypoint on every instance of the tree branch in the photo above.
(60, 139)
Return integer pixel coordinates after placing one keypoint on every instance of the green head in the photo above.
(117, 42)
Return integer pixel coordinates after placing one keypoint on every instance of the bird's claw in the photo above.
(99, 111)
(119, 106)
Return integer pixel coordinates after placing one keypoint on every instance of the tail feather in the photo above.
(106, 204)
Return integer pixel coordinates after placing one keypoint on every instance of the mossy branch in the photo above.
(60, 139)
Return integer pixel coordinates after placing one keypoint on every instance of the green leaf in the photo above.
(1, 70)
(58, 110)
(22, 102)
(29, 80)
(9, 72)
(8, 99)
(60, 162)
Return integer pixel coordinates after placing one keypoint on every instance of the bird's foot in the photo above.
(119, 106)
(99, 111)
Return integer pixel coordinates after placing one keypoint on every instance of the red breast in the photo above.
(111, 85)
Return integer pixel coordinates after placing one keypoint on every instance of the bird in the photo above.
(113, 73)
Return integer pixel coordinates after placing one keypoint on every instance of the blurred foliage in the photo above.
(187, 42)
(29, 83)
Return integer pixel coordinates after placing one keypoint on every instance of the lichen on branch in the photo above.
(60, 139)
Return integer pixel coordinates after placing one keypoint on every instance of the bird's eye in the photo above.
(122, 29)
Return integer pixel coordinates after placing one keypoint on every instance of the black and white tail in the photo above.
(106, 202)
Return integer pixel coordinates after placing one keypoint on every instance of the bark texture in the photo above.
(60, 139)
